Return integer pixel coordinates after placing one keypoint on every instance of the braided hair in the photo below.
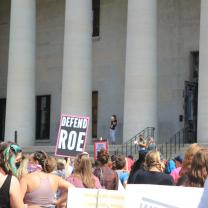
(152, 159)
(41, 157)
(47, 163)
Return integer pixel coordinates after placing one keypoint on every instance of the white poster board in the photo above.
(139, 196)
(94, 198)
(155, 196)
(72, 135)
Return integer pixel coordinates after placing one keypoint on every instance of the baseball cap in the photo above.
(179, 158)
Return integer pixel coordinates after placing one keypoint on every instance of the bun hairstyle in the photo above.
(103, 156)
(8, 153)
(47, 163)
(50, 164)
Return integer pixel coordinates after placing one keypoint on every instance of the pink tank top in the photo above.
(42, 196)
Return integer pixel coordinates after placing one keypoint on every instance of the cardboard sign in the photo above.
(94, 198)
(72, 135)
(148, 196)
(139, 196)
(98, 145)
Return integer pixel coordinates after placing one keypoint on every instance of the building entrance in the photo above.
(190, 117)
(191, 100)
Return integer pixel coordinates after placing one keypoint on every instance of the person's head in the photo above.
(199, 169)
(179, 160)
(50, 164)
(10, 154)
(141, 137)
(189, 154)
(83, 168)
(130, 157)
(103, 156)
(61, 163)
(152, 159)
(120, 163)
(82, 164)
(39, 157)
(170, 165)
(46, 162)
(113, 118)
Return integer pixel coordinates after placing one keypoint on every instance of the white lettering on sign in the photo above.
(74, 141)
(63, 138)
(74, 122)
(80, 141)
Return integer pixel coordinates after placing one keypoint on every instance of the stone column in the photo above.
(20, 105)
(202, 133)
(76, 81)
(140, 101)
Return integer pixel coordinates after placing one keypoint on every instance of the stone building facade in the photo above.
(145, 63)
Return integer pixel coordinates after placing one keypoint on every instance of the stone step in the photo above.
(51, 149)
(112, 150)
(182, 150)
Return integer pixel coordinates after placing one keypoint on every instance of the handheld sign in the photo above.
(158, 196)
(95, 198)
(72, 135)
(98, 145)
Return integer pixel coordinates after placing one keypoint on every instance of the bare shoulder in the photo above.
(54, 177)
(28, 176)
(14, 184)
(14, 181)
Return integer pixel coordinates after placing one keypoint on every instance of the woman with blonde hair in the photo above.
(199, 169)
(83, 176)
(153, 173)
(23, 168)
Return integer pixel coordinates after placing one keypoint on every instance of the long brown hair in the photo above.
(189, 154)
(83, 169)
(199, 169)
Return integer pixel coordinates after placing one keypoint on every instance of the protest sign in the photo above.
(139, 196)
(72, 135)
(204, 199)
(88, 198)
(94, 198)
(98, 145)
(149, 196)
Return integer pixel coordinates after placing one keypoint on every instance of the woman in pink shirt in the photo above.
(175, 173)
(83, 176)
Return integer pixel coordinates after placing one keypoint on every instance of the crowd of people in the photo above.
(40, 180)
